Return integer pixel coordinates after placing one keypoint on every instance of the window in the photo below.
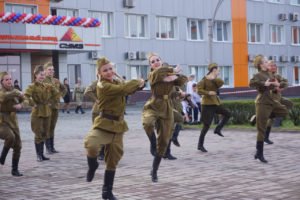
(17, 8)
(296, 75)
(165, 27)
(254, 33)
(135, 26)
(199, 71)
(276, 34)
(281, 70)
(11, 64)
(252, 70)
(195, 29)
(139, 71)
(296, 35)
(226, 75)
(221, 30)
(64, 12)
(275, 1)
(106, 21)
(74, 74)
(295, 2)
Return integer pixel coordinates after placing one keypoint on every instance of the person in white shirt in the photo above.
(189, 85)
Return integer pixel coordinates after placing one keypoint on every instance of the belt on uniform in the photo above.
(108, 116)
(164, 97)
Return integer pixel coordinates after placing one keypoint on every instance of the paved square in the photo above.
(227, 171)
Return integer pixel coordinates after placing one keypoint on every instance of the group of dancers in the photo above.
(160, 117)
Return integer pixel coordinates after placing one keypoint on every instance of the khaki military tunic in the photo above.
(265, 104)
(158, 110)
(211, 104)
(9, 128)
(40, 96)
(79, 94)
(55, 102)
(91, 91)
(177, 105)
(109, 126)
(278, 97)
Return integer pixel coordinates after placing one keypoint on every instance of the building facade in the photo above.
(190, 33)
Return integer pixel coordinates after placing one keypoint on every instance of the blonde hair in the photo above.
(2, 74)
(38, 69)
(151, 54)
(101, 62)
(48, 64)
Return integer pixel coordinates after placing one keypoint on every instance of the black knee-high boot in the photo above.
(107, 188)
(38, 152)
(4, 153)
(175, 135)
(221, 125)
(93, 165)
(15, 166)
(201, 138)
(168, 154)
(155, 166)
(260, 152)
(42, 151)
(53, 150)
(48, 146)
(152, 139)
(267, 135)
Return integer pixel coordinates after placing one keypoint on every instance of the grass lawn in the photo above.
(287, 125)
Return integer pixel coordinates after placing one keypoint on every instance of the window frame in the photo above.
(24, 6)
(282, 38)
(295, 4)
(139, 73)
(298, 35)
(200, 36)
(158, 21)
(107, 31)
(275, 1)
(139, 18)
(74, 14)
(255, 32)
(215, 31)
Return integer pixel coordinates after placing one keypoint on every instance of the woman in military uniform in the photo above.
(208, 87)
(39, 95)
(265, 105)
(276, 94)
(55, 105)
(91, 92)
(78, 96)
(10, 102)
(158, 110)
(109, 126)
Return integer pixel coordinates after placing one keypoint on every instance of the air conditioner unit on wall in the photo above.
(282, 17)
(128, 3)
(141, 55)
(295, 59)
(251, 57)
(274, 58)
(130, 55)
(56, 1)
(294, 17)
(283, 59)
(93, 55)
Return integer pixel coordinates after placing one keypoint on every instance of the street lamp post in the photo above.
(210, 32)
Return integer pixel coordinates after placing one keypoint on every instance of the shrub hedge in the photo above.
(242, 110)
